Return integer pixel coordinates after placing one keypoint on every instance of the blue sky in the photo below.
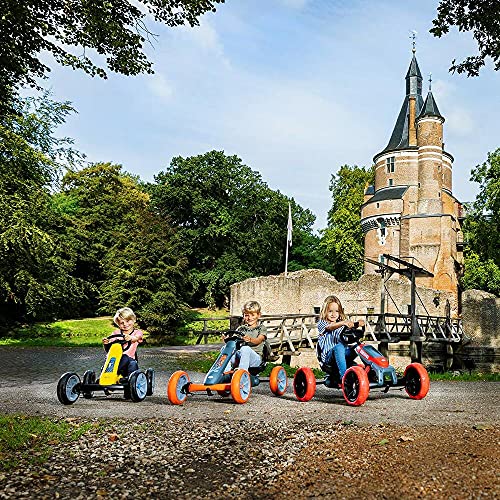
(296, 88)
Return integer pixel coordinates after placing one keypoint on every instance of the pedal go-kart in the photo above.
(359, 379)
(136, 386)
(222, 380)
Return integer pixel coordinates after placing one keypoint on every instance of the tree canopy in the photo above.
(81, 34)
(342, 240)
(482, 229)
(482, 17)
(231, 224)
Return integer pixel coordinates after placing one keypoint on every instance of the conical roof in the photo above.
(399, 136)
(430, 108)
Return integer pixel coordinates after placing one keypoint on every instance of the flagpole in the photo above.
(289, 229)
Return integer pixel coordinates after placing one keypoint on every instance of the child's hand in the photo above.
(247, 338)
(105, 340)
(361, 322)
(349, 323)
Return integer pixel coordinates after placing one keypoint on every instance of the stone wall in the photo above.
(481, 317)
(302, 291)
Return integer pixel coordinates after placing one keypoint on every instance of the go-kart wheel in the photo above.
(416, 381)
(278, 381)
(241, 386)
(224, 394)
(138, 385)
(150, 376)
(304, 384)
(88, 378)
(355, 386)
(176, 382)
(68, 388)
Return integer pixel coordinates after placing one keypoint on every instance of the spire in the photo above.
(430, 108)
(399, 137)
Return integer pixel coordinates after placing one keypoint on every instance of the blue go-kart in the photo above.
(225, 382)
(375, 372)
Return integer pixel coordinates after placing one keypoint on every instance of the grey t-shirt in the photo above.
(254, 332)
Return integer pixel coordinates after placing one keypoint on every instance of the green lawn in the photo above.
(78, 332)
(90, 331)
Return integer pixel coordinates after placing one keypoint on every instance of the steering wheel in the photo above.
(117, 338)
(351, 335)
(232, 335)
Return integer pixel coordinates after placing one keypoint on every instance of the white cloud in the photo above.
(160, 87)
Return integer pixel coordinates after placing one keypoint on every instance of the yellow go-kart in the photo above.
(136, 386)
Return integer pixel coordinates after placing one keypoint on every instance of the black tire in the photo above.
(355, 386)
(304, 384)
(138, 386)
(150, 376)
(68, 388)
(88, 378)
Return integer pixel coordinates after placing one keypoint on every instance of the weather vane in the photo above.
(413, 37)
(430, 81)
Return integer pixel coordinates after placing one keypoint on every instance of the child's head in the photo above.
(327, 309)
(251, 313)
(124, 315)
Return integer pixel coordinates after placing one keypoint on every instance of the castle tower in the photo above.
(411, 212)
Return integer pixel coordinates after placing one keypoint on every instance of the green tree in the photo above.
(36, 274)
(342, 240)
(80, 34)
(127, 251)
(231, 225)
(479, 16)
(482, 228)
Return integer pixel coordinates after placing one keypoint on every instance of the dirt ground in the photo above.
(444, 446)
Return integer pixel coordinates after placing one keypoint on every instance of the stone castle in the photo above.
(411, 212)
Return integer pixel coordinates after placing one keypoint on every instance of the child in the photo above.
(255, 335)
(125, 319)
(331, 325)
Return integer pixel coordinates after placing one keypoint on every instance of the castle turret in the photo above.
(410, 211)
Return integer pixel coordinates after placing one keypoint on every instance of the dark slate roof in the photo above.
(370, 190)
(399, 137)
(388, 193)
(413, 70)
(430, 107)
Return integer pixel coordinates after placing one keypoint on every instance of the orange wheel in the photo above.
(417, 381)
(241, 386)
(176, 387)
(304, 384)
(355, 386)
(278, 381)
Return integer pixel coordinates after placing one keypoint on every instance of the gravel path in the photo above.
(445, 446)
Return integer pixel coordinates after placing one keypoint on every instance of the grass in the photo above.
(90, 331)
(465, 376)
(79, 333)
(31, 439)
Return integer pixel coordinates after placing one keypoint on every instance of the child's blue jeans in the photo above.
(342, 354)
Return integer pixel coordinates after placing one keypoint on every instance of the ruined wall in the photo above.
(302, 291)
(481, 317)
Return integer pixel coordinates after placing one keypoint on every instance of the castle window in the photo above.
(389, 162)
(391, 182)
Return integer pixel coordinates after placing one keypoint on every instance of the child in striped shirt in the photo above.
(331, 348)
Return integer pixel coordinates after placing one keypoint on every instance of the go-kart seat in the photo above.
(266, 353)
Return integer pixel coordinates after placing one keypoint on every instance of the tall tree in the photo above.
(230, 223)
(126, 250)
(80, 33)
(482, 228)
(482, 17)
(36, 273)
(342, 240)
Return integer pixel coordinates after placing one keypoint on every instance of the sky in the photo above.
(295, 88)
